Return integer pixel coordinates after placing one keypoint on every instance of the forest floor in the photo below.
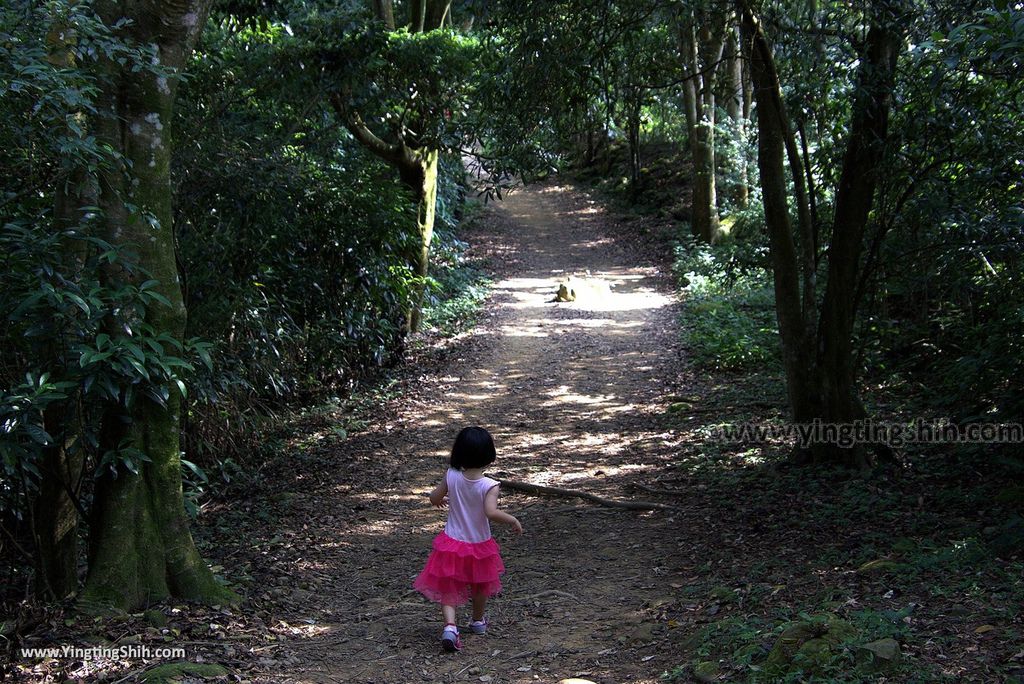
(593, 395)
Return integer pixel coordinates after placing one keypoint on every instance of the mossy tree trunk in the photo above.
(701, 44)
(419, 173)
(417, 165)
(140, 547)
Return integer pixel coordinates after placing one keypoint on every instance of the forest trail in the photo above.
(573, 393)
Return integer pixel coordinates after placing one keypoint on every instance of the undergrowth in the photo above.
(458, 288)
(728, 319)
(459, 285)
(930, 556)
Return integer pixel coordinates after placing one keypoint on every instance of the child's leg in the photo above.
(450, 641)
(479, 606)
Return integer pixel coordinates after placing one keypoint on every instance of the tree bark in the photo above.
(426, 206)
(735, 108)
(854, 198)
(140, 547)
(818, 346)
(701, 58)
(385, 11)
(437, 12)
(417, 15)
(54, 512)
(798, 352)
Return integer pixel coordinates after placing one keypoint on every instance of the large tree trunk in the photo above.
(385, 11)
(854, 197)
(140, 547)
(818, 350)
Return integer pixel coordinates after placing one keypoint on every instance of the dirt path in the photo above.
(325, 540)
(573, 393)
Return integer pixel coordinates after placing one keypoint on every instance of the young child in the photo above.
(465, 562)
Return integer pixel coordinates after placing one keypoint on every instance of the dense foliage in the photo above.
(74, 339)
(292, 249)
(291, 242)
(311, 144)
(941, 251)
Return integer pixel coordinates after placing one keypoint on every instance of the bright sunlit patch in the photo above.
(591, 244)
(472, 397)
(585, 210)
(562, 394)
(623, 292)
(299, 630)
(518, 331)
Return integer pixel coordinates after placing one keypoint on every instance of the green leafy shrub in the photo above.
(728, 316)
(296, 243)
(74, 344)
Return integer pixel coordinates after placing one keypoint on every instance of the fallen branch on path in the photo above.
(576, 509)
(549, 592)
(575, 493)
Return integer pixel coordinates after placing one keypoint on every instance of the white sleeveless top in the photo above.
(466, 519)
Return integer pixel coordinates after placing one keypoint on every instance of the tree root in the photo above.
(528, 488)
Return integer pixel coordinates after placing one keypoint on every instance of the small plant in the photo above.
(729, 316)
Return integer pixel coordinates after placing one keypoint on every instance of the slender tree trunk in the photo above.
(735, 108)
(426, 207)
(633, 107)
(140, 547)
(54, 513)
(699, 104)
(798, 352)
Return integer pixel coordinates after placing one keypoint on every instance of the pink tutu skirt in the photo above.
(457, 570)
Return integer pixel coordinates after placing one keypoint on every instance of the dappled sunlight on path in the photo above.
(573, 393)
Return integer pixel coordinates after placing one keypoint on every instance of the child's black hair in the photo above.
(474, 448)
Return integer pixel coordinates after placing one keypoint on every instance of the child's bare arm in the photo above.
(437, 497)
(496, 514)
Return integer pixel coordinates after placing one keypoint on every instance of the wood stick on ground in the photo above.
(549, 592)
(528, 488)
